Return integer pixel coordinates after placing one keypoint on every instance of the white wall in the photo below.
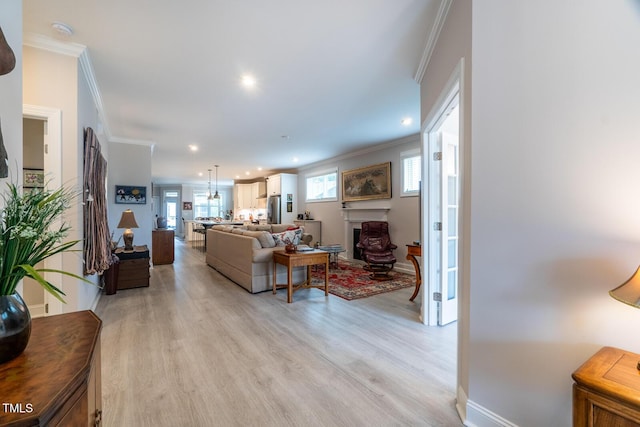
(403, 216)
(555, 221)
(55, 80)
(130, 164)
(453, 45)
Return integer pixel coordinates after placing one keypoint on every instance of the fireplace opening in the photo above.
(356, 239)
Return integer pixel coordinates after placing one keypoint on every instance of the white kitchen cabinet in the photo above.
(286, 186)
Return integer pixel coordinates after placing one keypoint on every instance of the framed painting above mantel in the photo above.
(367, 183)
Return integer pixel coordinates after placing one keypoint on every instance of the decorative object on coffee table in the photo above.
(28, 235)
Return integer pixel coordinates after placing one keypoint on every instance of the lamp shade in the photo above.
(127, 220)
(629, 291)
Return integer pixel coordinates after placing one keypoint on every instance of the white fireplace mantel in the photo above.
(365, 214)
(354, 217)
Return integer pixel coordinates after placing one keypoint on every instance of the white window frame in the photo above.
(405, 155)
(326, 172)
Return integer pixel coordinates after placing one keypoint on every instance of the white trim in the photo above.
(432, 40)
(39, 41)
(53, 165)
(453, 86)
(479, 416)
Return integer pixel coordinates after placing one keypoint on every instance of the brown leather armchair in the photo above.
(376, 249)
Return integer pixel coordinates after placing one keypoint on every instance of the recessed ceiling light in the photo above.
(193, 147)
(295, 160)
(62, 28)
(247, 173)
(406, 121)
(259, 168)
(199, 173)
(248, 81)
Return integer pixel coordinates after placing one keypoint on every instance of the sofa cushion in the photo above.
(279, 228)
(264, 237)
(260, 227)
(288, 236)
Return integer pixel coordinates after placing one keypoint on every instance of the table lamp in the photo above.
(128, 221)
(629, 293)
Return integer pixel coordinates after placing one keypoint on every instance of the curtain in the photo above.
(97, 244)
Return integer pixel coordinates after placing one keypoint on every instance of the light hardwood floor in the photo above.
(195, 349)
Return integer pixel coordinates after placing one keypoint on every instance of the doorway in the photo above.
(441, 228)
(41, 148)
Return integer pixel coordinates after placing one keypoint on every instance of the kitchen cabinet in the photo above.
(247, 196)
(285, 185)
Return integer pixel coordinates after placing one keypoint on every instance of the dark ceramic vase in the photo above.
(15, 326)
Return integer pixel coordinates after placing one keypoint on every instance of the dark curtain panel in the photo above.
(97, 243)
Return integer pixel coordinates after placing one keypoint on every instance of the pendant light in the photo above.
(216, 196)
(210, 197)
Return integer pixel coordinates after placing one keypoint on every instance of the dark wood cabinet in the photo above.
(133, 268)
(606, 391)
(162, 246)
(56, 381)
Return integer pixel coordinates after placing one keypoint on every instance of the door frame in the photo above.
(453, 87)
(52, 146)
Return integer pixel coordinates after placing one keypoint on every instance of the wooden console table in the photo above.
(300, 259)
(162, 246)
(56, 381)
(412, 252)
(606, 391)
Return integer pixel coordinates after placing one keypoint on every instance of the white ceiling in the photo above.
(332, 75)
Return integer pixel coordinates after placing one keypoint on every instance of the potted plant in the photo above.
(28, 235)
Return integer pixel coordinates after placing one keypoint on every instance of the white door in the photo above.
(444, 202)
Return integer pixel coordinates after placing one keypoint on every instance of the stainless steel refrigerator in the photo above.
(274, 210)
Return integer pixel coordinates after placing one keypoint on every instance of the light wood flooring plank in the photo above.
(195, 349)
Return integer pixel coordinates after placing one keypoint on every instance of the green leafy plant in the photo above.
(29, 234)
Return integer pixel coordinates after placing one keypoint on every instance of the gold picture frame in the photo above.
(367, 183)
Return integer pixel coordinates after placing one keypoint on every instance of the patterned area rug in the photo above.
(350, 281)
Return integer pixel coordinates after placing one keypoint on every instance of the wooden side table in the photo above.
(133, 267)
(300, 259)
(412, 252)
(56, 381)
(162, 246)
(606, 391)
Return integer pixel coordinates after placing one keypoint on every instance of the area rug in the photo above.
(349, 281)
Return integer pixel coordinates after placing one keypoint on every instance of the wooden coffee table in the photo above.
(300, 259)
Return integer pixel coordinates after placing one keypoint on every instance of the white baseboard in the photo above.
(479, 416)
(36, 310)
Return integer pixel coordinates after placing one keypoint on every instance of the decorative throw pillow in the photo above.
(286, 237)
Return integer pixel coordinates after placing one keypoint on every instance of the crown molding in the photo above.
(47, 43)
(413, 138)
(144, 142)
(443, 10)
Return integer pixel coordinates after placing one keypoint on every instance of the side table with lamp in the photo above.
(606, 391)
(133, 269)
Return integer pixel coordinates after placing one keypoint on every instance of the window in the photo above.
(322, 186)
(411, 172)
(205, 208)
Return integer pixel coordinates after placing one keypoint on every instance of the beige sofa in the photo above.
(244, 254)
